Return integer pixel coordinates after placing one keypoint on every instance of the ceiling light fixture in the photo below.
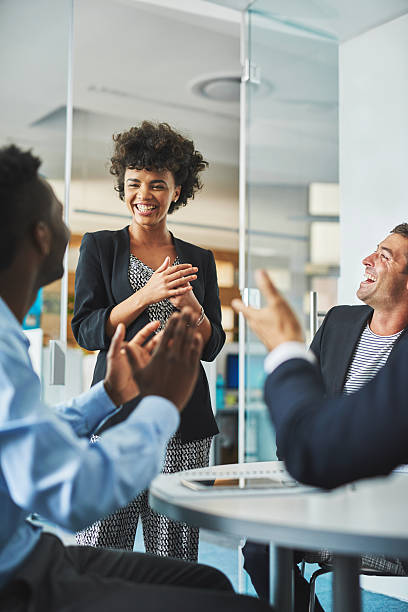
(224, 88)
(220, 89)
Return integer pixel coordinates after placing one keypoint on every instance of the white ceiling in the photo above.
(133, 61)
(140, 59)
(341, 19)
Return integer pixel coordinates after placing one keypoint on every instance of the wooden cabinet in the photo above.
(227, 272)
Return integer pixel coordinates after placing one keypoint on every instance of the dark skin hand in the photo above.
(172, 370)
(119, 382)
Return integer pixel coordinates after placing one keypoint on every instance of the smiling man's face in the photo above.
(386, 273)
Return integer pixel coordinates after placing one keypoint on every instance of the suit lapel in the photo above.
(348, 336)
(120, 267)
(399, 344)
(180, 251)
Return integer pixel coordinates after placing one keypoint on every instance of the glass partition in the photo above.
(291, 183)
(34, 39)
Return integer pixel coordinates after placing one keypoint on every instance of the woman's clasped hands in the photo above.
(169, 281)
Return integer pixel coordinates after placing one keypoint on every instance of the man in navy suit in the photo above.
(351, 346)
(327, 442)
(354, 342)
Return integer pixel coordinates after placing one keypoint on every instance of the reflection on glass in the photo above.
(324, 199)
(324, 243)
(34, 50)
(225, 273)
(292, 142)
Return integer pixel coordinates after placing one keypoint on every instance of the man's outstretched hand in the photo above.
(276, 322)
(172, 371)
(119, 382)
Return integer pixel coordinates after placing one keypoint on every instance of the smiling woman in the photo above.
(143, 273)
(150, 194)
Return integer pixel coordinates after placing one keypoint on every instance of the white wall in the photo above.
(373, 164)
(373, 69)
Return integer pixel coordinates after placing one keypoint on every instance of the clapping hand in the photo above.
(172, 370)
(119, 381)
(276, 322)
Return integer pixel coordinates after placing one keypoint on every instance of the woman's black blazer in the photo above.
(102, 282)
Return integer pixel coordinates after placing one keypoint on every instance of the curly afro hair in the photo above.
(158, 147)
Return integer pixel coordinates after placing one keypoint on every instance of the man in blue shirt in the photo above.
(46, 462)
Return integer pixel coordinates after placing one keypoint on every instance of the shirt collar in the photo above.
(7, 319)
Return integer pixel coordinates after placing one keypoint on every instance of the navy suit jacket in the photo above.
(336, 339)
(328, 442)
(102, 282)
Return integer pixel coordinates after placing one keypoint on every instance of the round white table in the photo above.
(369, 517)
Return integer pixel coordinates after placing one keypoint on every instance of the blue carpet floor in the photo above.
(222, 553)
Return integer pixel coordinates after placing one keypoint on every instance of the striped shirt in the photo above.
(370, 355)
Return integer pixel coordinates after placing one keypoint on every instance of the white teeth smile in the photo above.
(369, 276)
(144, 208)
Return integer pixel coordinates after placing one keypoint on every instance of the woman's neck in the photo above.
(150, 236)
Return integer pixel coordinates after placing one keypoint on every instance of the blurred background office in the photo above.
(315, 93)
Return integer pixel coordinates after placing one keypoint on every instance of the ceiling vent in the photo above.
(219, 89)
(226, 88)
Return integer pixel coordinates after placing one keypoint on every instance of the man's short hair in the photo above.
(22, 200)
(402, 230)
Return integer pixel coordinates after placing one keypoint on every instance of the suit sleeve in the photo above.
(212, 309)
(92, 304)
(331, 442)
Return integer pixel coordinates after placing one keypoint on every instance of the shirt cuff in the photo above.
(97, 405)
(285, 351)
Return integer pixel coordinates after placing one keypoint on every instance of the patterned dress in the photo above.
(161, 535)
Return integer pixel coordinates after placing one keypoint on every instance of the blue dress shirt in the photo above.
(46, 462)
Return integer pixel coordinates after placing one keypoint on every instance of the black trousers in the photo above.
(256, 564)
(56, 578)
